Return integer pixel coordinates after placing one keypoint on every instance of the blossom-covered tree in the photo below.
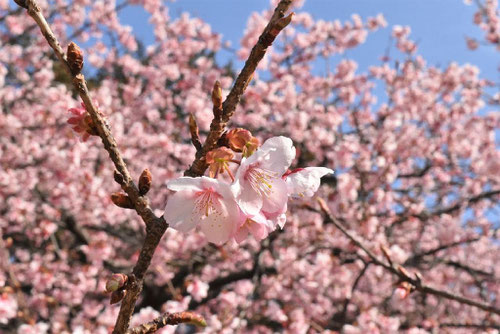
(402, 238)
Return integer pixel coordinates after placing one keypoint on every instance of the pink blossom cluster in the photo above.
(255, 202)
(414, 147)
(487, 18)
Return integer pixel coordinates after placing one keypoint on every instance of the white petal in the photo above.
(277, 154)
(179, 212)
(220, 225)
(306, 181)
(185, 183)
(277, 198)
(249, 201)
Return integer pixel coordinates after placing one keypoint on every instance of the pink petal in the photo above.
(249, 201)
(277, 154)
(186, 183)
(220, 225)
(73, 120)
(241, 234)
(276, 200)
(259, 231)
(306, 181)
(180, 211)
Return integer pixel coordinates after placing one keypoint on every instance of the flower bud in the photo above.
(192, 318)
(21, 3)
(217, 95)
(241, 140)
(117, 296)
(89, 126)
(404, 289)
(75, 58)
(122, 200)
(195, 134)
(115, 282)
(9, 242)
(145, 181)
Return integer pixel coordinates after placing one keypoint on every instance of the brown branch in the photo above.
(155, 226)
(277, 23)
(168, 319)
(401, 273)
(475, 326)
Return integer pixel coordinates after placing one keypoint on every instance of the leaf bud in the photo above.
(75, 58)
(122, 200)
(115, 282)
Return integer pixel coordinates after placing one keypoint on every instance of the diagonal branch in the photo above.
(277, 23)
(401, 273)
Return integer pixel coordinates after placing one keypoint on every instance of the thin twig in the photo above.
(401, 272)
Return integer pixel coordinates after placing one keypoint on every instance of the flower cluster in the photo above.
(82, 123)
(256, 199)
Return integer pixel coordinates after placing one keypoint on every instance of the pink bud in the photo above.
(241, 140)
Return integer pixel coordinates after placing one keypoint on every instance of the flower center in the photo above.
(261, 180)
(205, 202)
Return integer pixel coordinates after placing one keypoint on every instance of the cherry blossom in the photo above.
(414, 147)
(203, 202)
(305, 181)
(258, 185)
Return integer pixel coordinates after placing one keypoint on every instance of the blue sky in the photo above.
(439, 26)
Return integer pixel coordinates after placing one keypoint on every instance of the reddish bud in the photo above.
(117, 296)
(404, 289)
(75, 58)
(122, 200)
(9, 242)
(241, 140)
(217, 95)
(115, 282)
(195, 135)
(89, 126)
(145, 181)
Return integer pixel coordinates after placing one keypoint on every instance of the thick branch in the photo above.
(219, 122)
(403, 274)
